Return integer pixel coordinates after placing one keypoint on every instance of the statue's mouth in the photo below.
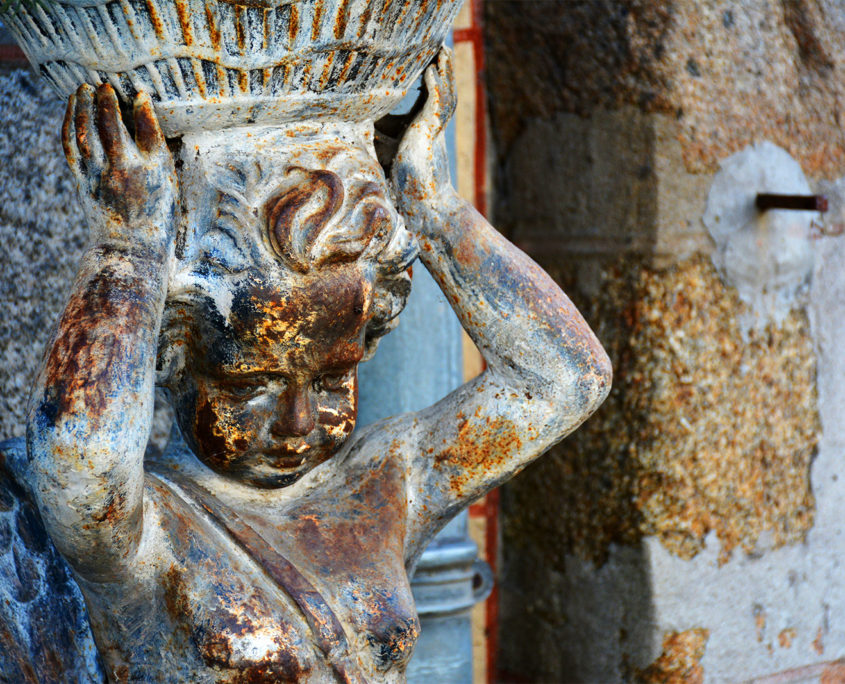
(287, 456)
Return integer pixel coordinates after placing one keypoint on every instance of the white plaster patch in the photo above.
(766, 256)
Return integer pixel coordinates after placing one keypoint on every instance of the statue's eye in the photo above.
(331, 382)
(245, 390)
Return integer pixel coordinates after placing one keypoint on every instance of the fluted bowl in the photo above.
(212, 64)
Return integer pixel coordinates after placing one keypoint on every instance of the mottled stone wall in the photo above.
(708, 428)
(42, 230)
(43, 236)
(688, 531)
(729, 72)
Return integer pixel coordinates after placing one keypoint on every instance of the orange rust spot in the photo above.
(293, 25)
(833, 673)
(342, 20)
(818, 644)
(199, 78)
(327, 71)
(365, 17)
(760, 624)
(155, 20)
(347, 65)
(318, 19)
(240, 33)
(680, 661)
(479, 450)
(185, 21)
(213, 28)
(786, 637)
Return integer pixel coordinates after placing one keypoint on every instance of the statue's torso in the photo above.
(315, 591)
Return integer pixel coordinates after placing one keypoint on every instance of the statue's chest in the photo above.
(319, 588)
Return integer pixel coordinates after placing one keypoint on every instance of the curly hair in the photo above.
(308, 218)
(307, 231)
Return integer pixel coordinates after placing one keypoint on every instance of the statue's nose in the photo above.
(294, 413)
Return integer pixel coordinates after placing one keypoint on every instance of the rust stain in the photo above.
(760, 623)
(155, 20)
(318, 20)
(293, 25)
(481, 445)
(818, 642)
(327, 71)
(350, 60)
(680, 661)
(213, 27)
(365, 19)
(184, 14)
(833, 673)
(786, 637)
(240, 28)
(199, 77)
(342, 19)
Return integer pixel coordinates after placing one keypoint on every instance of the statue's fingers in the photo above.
(69, 136)
(148, 133)
(432, 85)
(113, 134)
(446, 85)
(87, 140)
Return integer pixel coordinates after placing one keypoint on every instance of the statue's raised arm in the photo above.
(546, 371)
(91, 406)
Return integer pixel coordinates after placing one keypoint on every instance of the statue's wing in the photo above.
(44, 632)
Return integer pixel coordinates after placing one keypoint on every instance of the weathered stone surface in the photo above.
(730, 73)
(680, 661)
(706, 429)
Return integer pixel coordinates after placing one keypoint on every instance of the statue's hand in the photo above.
(420, 170)
(127, 187)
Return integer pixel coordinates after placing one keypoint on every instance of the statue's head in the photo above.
(292, 262)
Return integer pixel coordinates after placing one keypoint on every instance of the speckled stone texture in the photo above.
(689, 531)
(707, 428)
(42, 231)
(729, 72)
(43, 235)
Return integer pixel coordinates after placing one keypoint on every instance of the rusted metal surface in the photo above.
(766, 200)
(44, 633)
(270, 542)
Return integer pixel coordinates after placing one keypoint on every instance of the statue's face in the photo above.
(284, 240)
(271, 391)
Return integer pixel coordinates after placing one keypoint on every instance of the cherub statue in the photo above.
(249, 278)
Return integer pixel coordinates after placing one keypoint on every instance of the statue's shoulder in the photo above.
(46, 636)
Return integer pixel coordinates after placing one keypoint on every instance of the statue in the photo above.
(247, 269)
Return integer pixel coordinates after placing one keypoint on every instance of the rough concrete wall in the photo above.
(688, 532)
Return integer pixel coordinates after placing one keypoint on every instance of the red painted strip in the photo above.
(12, 54)
(480, 161)
(464, 35)
(478, 509)
(474, 35)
